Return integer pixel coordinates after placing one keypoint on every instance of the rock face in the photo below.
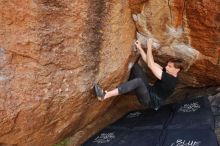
(52, 53)
(184, 29)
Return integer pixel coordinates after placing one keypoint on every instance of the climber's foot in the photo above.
(100, 93)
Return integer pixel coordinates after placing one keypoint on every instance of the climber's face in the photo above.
(170, 68)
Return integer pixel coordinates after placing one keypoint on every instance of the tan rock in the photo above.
(52, 53)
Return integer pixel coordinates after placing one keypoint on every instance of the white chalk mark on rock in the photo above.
(3, 78)
(143, 39)
(175, 32)
(186, 50)
(135, 17)
(130, 65)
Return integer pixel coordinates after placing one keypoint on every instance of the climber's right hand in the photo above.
(138, 44)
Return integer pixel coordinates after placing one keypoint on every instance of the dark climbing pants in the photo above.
(137, 82)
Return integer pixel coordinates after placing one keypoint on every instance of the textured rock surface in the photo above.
(186, 29)
(53, 51)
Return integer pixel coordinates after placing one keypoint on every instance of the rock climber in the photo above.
(148, 95)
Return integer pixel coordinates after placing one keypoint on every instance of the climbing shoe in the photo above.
(99, 92)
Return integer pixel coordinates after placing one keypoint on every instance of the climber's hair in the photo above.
(178, 63)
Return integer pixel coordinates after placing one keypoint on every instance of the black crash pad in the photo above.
(144, 119)
(189, 123)
(125, 137)
(190, 137)
(193, 114)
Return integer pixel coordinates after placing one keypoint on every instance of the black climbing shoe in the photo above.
(99, 92)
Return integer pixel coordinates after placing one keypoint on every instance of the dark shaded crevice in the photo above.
(91, 46)
(51, 13)
(94, 35)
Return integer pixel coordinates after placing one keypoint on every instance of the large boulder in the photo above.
(52, 53)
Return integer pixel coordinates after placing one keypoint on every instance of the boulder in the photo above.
(52, 53)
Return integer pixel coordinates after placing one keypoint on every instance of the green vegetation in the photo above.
(64, 142)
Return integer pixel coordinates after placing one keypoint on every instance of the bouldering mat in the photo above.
(189, 123)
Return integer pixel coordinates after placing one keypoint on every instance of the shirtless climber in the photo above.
(148, 95)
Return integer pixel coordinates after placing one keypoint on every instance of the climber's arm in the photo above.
(154, 67)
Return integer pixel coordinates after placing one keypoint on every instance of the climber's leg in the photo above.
(136, 85)
(137, 72)
(140, 88)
